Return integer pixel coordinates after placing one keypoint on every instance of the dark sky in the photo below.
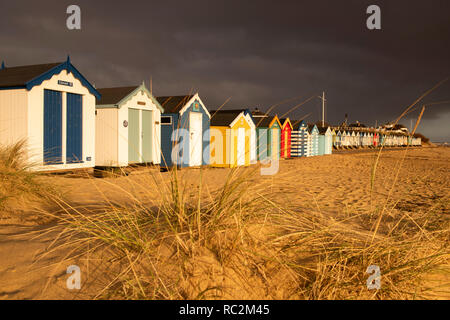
(258, 53)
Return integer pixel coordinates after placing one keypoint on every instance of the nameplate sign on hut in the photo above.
(65, 83)
(141, 103)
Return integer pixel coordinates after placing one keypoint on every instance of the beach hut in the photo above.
(417, 140)
(338, 140)
(328, 141)
(370, 139)
(353, 139)
(376, 140)
(366, 139)
(344, 139)
(52, 107)
(410, 140)
(356, 139)
(313, 140)
(233, 138)
(359, 138)
(382, 139)
(321, 141)
(333, 137)
(325, 140)
(184, 131)
(299, 139)
(404, 139)
(286, 133)
(308, 143)
(389, 140)
(268, 136)
(128, 127)
(349, 138)
(295, 139)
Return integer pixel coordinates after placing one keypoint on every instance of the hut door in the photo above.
(52, 127)
(74, 139)
(195, 142)
(134, 150)
(275, 144)
(147, 135)
(241, 147)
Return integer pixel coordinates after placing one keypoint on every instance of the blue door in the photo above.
(74, 142)
(52, 127)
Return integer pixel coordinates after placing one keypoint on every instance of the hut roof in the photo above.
(286, 121)
(299, 123)
(173, 104)
(120, 95)
(264, 121)
(322, 130)
(19, 76)
(225, 117)
(114, 95)
(311, 127)
(33, 75)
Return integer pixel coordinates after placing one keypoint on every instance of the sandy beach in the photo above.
(337, 185)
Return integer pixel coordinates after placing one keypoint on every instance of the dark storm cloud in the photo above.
(256, 52)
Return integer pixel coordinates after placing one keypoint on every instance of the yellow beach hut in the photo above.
(233, 138)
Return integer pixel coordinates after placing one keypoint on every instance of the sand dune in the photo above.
(336, 185)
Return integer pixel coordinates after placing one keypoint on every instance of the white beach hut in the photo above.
(52, 107)
(128, 129)
(354, 139)
(370, 139)
(344, 139)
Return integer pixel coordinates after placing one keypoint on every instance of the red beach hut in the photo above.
(286, 131)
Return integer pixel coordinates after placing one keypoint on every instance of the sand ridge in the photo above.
(333, 184)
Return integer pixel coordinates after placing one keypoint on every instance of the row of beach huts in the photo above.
(70, 124)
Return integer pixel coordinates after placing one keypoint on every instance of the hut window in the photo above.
(166, 120)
